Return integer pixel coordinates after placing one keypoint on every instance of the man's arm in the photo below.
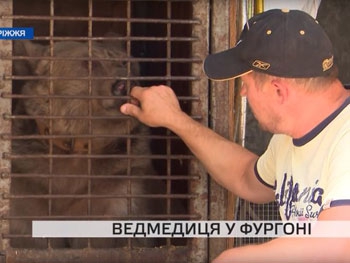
(228, 163)
(296, 250)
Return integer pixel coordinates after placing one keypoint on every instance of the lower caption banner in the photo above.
(189, 229)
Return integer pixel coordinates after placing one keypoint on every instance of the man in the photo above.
(285, 61)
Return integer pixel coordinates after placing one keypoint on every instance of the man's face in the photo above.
(260, 98)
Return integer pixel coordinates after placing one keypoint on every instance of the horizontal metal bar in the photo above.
(109, 217)
(102, 19)
(94, 196)
(102, 177)
(80, 97)
(9, 156)
(8, 116)
(127, 38)
(88, 78)
(16, 235)
(126, 59)
(164, 254)
(103, 217)
(87, 136)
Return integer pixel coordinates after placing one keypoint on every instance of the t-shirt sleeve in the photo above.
(265, 167)
(337, 191)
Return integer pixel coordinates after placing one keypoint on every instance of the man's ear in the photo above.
(281, 90)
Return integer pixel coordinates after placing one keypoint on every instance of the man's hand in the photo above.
(155, 106)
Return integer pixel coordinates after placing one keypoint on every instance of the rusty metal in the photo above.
(145, 255)
(192, 216)
(177, 60)
(199, 252)
(154, 78)
(5, 127)
(195, 250)
(100, 176)
(57, 38)
(103, 19)
(96, 196)
(223, 22)
(9, 156)
(89, 136)
(7, 116)
(87, 97)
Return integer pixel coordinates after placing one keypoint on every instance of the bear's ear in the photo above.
(119, 47)
(31, 50)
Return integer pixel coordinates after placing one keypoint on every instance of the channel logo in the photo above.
(12, 33)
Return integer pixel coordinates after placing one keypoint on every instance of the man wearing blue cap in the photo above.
(285, 61)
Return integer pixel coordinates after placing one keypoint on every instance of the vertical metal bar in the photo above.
(240, 107)
(258, 6)
(220, 99)
(220, 117)
(234, 24)
(128, 43)
(241, 103)
(51, 33)
(128, 82)
(199, 251)
(5, 125)
(90, 7)
(168, 141)
(128, 140)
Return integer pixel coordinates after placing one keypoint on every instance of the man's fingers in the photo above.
(133, 107)
(134, 101)
(130, 109)
(136, 92)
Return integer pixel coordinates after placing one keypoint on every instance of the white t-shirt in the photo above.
(310, 173)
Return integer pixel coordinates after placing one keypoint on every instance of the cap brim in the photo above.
(225, 65)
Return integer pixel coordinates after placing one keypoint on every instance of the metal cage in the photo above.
(52, 173)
